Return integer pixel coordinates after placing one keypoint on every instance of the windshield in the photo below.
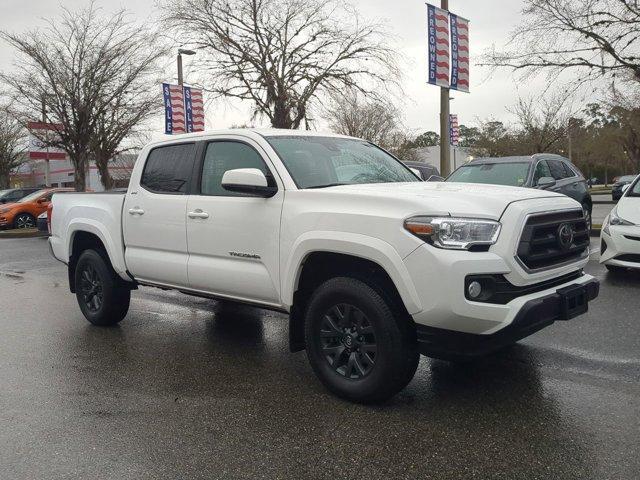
(32, 197)
(3, 193)
(316, 162)
(514, 174)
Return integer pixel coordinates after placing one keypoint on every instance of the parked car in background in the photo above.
(23, 213)
(542, 171)
(620, 236)
(616, 188)
(12, 195)
(425, 170)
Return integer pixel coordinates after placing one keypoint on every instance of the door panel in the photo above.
(154, 217)
(233, 239)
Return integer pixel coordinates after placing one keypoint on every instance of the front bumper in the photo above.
(534, 315)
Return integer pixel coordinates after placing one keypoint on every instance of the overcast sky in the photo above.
(491, 22)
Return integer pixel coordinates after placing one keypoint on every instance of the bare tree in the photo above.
(493, 139)
(599, 37)
(543, 123)
(122, 119)
(82, 65)
(12, 145)
(283, 54)
(371, 119)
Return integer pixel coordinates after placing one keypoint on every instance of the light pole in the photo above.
(182, 51)
(445, 140)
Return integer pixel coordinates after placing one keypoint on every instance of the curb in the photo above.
(26, 233)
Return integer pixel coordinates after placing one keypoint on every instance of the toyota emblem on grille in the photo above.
(565, 236)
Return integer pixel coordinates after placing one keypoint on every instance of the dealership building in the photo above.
(61, 173)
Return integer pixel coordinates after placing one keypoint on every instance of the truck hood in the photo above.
(455, 199)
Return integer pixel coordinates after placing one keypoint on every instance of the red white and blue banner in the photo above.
(454, 130)
(194, 109)
(174, 116)
(438, 46)
(459, 53)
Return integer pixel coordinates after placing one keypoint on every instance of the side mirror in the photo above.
(625, 187)
(546, 182)
(250, 181)
(435, 178)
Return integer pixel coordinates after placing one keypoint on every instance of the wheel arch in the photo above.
(368, 259)
(87, 236)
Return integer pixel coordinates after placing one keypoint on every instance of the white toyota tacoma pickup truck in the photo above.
(373, 266)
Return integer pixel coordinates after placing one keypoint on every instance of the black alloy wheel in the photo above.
(359, 342)
(102, 295)
(348, 341)
(91, 288)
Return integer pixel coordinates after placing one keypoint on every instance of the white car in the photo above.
(620, 237)
(372, 265)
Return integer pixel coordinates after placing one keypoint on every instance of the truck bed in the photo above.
(97, 213)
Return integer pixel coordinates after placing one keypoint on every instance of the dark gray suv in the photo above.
(543, 171)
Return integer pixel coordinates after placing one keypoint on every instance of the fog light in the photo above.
(474, 289)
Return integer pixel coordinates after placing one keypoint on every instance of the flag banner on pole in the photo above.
(40, 134)
(454, 130)
(194, 109)
(174, 115)
(438, 46)
(459, 53)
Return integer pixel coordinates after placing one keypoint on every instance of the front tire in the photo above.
(23, 221)
(360, 347)
(102, 296)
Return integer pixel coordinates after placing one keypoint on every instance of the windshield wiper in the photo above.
(327, 185)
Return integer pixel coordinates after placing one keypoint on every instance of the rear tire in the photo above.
(359, 346)
(102, 295)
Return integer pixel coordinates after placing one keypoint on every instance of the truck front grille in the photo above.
(553, 239)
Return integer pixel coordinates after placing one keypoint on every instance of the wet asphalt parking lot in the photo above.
(187, 388)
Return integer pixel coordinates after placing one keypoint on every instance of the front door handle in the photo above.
(198, 214)
(136, 211)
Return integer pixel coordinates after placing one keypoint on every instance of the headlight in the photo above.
(614, 219)
(454, 233)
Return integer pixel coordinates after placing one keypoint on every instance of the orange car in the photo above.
(24, 212)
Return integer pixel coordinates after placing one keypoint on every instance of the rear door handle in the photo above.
(136, 211)
(198, 214)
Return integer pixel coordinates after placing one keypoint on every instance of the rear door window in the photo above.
(557, 169)
(568, 170)
(542, 170)
(169, 168)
